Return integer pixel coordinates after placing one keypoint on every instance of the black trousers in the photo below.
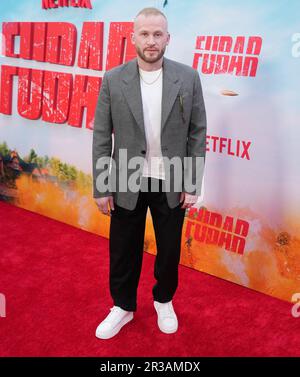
(126, 242)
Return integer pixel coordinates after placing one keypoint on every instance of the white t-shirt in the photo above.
(151, 88)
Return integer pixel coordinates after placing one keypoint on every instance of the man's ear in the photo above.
(168, 38)
(132, 37)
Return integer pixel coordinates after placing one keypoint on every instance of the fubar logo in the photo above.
(50, 4)
(223, 54)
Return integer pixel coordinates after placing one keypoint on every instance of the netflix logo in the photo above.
(231, 147)
(51, 4)
(227, 55)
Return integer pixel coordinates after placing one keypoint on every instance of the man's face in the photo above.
(150, 37)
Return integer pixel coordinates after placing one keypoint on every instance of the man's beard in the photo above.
(150, 60)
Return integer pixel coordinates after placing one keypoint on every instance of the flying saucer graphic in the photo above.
(229, 93)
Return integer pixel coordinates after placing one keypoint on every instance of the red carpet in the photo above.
(55, 279)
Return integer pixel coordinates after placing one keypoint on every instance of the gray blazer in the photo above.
(119, 112)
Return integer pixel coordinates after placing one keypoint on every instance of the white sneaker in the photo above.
(166, 317)
(113, 323)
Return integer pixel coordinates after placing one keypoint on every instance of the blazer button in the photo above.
(143, 152)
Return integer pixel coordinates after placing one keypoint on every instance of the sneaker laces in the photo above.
(114, 313)
(166, 310)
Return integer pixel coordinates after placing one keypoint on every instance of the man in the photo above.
(155, 109)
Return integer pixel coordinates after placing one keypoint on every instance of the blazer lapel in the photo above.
(131, 89)
(171, 86)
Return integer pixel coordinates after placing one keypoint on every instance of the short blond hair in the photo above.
(150, 11)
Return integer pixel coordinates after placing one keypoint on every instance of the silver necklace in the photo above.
(150, 83)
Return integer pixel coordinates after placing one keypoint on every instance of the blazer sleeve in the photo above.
(196, 141)
(102, 142)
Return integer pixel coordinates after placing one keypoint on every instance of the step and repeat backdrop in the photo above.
(245, 227)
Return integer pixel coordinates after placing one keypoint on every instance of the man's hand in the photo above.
(188, 199)
(102, 204)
